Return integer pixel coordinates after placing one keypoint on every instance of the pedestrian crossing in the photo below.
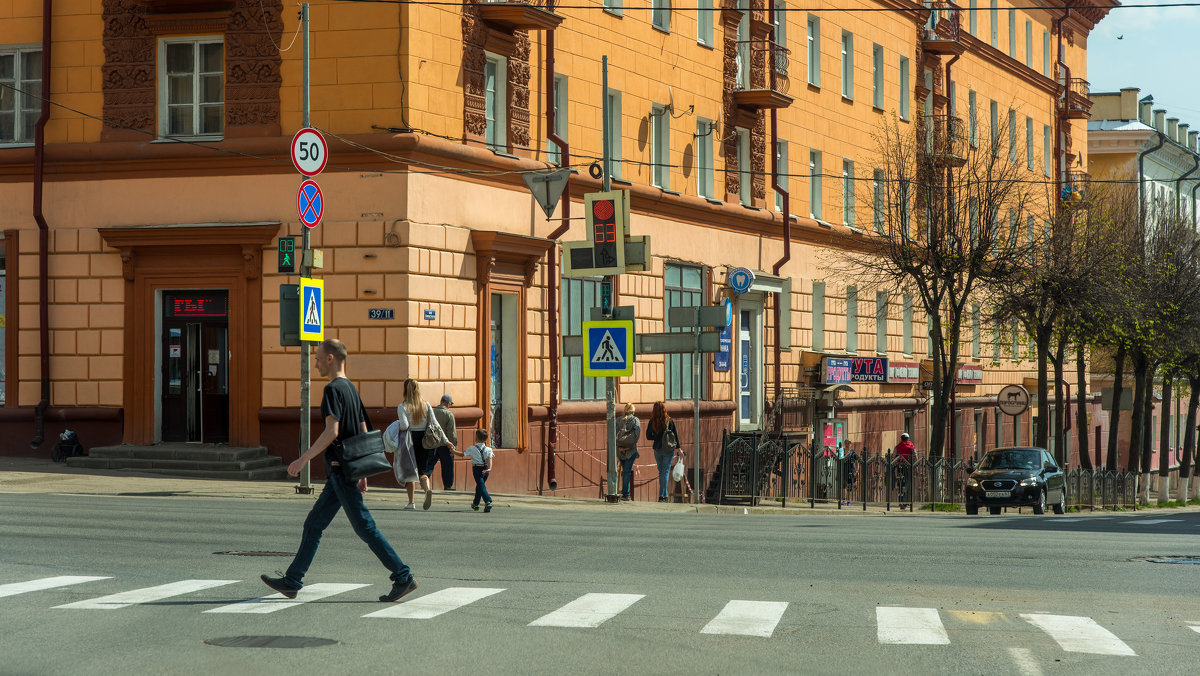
(895, 625)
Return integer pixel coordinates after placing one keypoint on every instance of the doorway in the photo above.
(194, 353)
(750, 362)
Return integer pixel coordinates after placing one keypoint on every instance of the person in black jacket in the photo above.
(629, 432)
(662, 432)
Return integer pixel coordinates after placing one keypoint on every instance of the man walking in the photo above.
(344, 417)
(445, 418)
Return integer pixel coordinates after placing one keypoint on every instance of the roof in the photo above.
(1117, 125)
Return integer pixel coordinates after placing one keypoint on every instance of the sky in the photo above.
(1157, 53)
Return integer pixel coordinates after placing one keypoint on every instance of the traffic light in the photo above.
(287, 255)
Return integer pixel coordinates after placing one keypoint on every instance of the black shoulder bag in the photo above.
(363, 454)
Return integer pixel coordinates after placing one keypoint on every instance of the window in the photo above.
(814, 184)
(904, 93)
(661, 146)
(614, 134)
(1046, 152)
(995, 23)
(704, 22)
(953, 94)
(994, 133)
(973, 218)
(683, 285)
(976, 333)
(814, 50)
(972, 118)
(1028, 43)
(818, 317)
(495, 73)
(1029, 143)
(881, 313)
(848, 193)
(1012, 33)
(704, 158)
(613, 6)
(905, 200)
(743, 145)
(1046, 53)
(852, 319)
(847, 65)
(973, 19)
(661, 15)
(907, 309)
(781, 15)
(781, 154)
(560, 117)
(191, 86)
(878, 188)
(1012, 135)
(20, 109)
(877, 76)
(579, 296)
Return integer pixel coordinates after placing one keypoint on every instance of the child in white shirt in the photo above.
(481, 465)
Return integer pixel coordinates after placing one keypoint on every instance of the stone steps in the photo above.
(187, 460)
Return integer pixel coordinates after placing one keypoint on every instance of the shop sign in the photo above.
(903, 372)
(970, 375)
(845, 370)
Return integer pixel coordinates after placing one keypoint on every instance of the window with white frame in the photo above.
(704, 157)
(973, 19)
(191, 81)
(847, 65)
(818, 317)
(704, 22)
(495, 74)
(814, 50)
(614, 134)
(1046, 152)
(661, 140)
(952, 88)
(881, 313)
(1046, 53)
(561, 104)
(877, 76)
(683, 285)
(1028, 43)
(904, 93)
(907, 339)
(973, 218)
(848, 193)
(1029, 143)
(613, 7)
(976, 333)
(20, 93)
(994, 15)
(743, 146)
(815, 196)
(994, 133)
(1012, 135)
(1012, 33)
(661, 14)
(878, 190)
(852, 319)
(781, 155)
(781, 15)
(973, 118)
(579, 296)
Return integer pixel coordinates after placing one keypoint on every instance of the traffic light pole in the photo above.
(305, 270)
(610, 384)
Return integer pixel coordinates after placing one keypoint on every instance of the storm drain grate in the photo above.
(240, 552)
(270, 642)
(1171, 559)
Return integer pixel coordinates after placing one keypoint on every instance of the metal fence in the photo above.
(785, 470)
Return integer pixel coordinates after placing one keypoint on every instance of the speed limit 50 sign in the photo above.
(309, 152)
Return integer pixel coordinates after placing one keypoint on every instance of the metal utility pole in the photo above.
(305, 271)
(696, 413)
(606, 291)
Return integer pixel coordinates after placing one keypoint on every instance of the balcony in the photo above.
(1076, 186)
(762, 75)
(513, 15)
(1078, 103)
(940, 34)
(946, 140)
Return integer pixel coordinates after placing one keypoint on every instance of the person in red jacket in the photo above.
(905, 450)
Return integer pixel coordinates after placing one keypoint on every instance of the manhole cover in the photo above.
(1172, 559)
(238, 552)
(270, 642)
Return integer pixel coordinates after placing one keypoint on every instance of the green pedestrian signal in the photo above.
(287, 255)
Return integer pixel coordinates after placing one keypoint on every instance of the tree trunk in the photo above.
(1164, 441)
(1114, 416)
(1147, 432)
(1062, 454)
(1135, 416)
(1081, 420)
(1189, 437)
(1040, 431)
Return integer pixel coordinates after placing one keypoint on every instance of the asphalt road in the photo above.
(647, 593)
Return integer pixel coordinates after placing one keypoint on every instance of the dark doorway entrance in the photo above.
(195, 366)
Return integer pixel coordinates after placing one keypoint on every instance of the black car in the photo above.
(1016, 476)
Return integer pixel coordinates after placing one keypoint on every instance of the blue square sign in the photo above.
(608, 348)
(312, 314)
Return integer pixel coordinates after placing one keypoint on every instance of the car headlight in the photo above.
(1030, 481)
(972, 483)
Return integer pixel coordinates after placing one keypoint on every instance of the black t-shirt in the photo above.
(340, 400)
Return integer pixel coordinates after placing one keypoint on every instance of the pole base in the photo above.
(304, 490)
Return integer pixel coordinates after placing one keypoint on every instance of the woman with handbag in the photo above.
(424, 436)
(629, 432)
(662, 432)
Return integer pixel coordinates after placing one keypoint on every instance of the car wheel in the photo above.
(1040, 507)
(972, 509)
(994, 510)
(1061, 507)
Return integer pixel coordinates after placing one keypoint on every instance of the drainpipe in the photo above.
(552, 290)
(1059, 105)
(39, 164)
(1194, 204)
(787, 216)
(1179, 184)
(1142, 178)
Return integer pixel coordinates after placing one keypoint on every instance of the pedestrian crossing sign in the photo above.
(608, 348)
(312, 313)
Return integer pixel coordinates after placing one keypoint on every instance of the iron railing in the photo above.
(768, 66)
(943, 23)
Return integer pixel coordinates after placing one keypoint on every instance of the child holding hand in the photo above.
(481, 465)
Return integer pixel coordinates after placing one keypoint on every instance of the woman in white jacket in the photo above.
(414, 419)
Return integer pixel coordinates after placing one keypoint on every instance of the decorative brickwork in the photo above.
(515, 46)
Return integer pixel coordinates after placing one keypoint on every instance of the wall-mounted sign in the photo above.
(198, 304)
(430, 315)
(381, 313)
(970, 375)
(740, 279)
(721, 358)
(846, 370)
(903, 372)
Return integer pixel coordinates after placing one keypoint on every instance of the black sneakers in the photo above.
(487, 507)
(400, 590)
(280, 585)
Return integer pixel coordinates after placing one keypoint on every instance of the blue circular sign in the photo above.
(728, 312)
(740, 280)
(310, 203)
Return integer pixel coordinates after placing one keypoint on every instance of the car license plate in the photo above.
(998, 494)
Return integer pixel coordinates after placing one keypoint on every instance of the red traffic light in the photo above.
(604, 209)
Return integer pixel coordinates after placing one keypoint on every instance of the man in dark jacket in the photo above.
(445, 418)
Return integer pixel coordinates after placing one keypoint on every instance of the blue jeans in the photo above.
(342, 493)
(663, 460)
(480, 489)
(627, 476)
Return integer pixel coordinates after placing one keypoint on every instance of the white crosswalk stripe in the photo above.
(14, 588)
(910, 626)
(1195, 628)
(147, 595)
(437, 603)
(1151, 522)
(589, 610)
(747, 618)
(274, 602)
(1079, 634)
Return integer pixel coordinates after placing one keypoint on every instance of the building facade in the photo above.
(743, 133)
